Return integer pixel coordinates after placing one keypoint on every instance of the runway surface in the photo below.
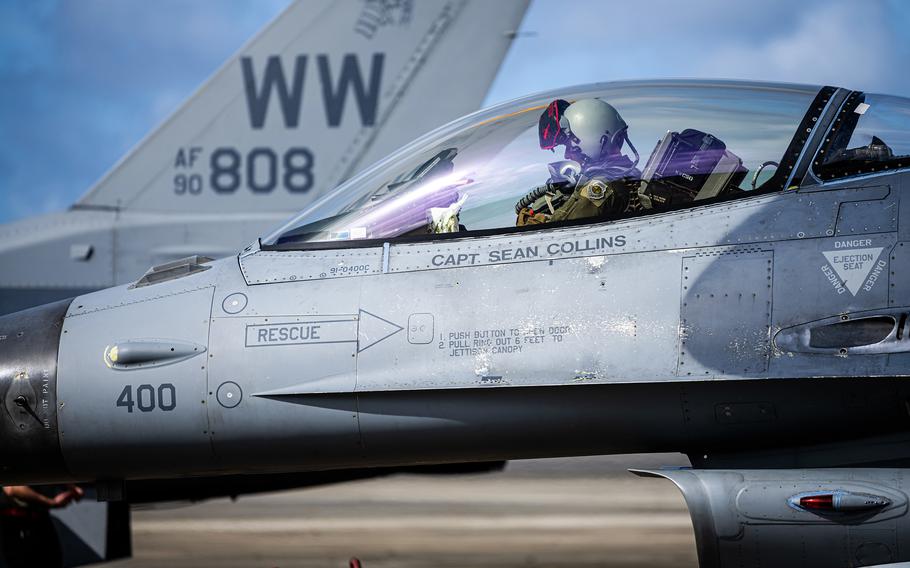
(554, 513)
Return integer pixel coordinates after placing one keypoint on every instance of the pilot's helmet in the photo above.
(590, 129)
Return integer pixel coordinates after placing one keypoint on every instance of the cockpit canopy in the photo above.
(698, 140)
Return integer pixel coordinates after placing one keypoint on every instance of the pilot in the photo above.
(597, 180)
(27, 535)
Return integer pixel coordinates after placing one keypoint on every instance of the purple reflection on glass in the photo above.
(393, 217)
(688, 154)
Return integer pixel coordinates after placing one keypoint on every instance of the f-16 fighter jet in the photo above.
(715, 268)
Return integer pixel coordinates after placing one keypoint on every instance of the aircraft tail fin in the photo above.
(324, 90)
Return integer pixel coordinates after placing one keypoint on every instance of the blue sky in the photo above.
(82, 81)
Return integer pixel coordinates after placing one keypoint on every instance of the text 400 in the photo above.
(148, 399)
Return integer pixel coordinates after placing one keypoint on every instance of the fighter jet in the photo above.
(321, 93)
(529, 281)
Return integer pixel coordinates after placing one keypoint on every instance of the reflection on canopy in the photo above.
(468, 175)
(873, 136)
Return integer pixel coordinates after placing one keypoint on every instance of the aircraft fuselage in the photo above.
(684, 331)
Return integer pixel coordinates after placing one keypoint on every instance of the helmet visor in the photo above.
(549, 130)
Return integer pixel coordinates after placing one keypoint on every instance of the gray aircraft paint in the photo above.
(324, 82)
(323, 91)
(354, 331)
(743, 517)
(688, 330)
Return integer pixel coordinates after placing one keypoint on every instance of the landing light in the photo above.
(838, 502)
(824, 502)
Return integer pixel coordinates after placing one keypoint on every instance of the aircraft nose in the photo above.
(29, 442)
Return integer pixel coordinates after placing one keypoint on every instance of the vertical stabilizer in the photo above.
(324, 90)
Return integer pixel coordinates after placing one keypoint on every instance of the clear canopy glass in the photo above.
(468, 175)
(875, 135)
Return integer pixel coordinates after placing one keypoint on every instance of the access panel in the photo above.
(725, 313)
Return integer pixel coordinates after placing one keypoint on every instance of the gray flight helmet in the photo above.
(596, 127)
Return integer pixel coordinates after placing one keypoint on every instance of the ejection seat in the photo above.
(689, 166)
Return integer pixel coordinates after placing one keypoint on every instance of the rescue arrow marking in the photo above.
(373, 329)
(364, 329)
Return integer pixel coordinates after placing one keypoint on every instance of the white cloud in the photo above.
(843, 44)
(861, 45)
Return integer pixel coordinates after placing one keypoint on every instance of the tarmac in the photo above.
(578, 512)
